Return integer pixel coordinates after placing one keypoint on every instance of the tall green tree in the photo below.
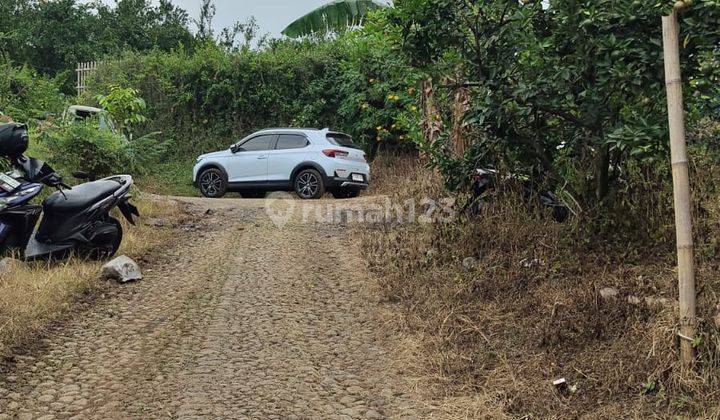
(138, 25)
(52, 36)
(574, 90)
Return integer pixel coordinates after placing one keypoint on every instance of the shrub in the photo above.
(566, 90)
(26, 96)
(125, 106)
(86, 148)
(209, 98)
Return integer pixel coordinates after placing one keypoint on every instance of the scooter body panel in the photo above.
(24, 193)
(18, 219)
(86, 227)
(36, 249)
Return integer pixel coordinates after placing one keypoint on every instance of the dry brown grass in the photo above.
(494, 336)
(391, 170)
(31, 297)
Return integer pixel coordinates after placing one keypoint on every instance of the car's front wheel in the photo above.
(309, 184)
(212, 183)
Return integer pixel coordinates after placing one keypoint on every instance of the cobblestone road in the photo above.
(242, 319)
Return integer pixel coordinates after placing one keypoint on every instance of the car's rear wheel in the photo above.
(309, 184)
(212, 183)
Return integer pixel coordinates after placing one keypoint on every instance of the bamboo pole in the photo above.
(681, 186)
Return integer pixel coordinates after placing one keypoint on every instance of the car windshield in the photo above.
(343, 140)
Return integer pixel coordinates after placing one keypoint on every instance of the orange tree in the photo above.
(571, 90)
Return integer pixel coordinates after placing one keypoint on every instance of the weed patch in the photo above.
(505, 303)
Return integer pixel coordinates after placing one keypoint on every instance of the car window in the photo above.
(291, 141)
(258, 143)
(339, 139)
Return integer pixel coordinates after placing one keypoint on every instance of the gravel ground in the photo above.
(241, 319)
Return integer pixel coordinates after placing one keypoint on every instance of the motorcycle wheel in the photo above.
(106, 250)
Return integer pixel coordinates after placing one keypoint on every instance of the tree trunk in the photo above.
(431, 123)
(461, 104)
(602, 172)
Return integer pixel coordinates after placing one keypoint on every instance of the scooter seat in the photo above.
(79, 197)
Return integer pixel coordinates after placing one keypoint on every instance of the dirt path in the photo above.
(242, 319)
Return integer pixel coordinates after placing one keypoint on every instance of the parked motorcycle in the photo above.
(485, 180)
(73, 218)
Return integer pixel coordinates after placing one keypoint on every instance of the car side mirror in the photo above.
(236, 149)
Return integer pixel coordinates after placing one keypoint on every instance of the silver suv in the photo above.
(307, 161)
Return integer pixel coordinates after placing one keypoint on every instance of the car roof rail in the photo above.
(289, 128)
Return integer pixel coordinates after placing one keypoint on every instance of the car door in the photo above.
(290, 150)
(249, 162)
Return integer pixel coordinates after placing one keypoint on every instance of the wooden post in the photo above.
(681, 185)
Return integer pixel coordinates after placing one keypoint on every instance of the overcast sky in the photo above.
(272, 15)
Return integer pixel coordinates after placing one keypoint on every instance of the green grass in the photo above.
(169, 178)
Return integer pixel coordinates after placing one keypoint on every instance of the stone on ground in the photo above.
(122, 269)
(608, 293)
(8, 265)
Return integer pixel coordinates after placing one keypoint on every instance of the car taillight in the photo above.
(334, 153)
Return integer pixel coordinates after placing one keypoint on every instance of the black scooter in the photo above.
(74, 219)
(485, 180)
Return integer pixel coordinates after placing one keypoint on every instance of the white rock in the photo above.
(530, 263)
(608, 293)
(658, 302)
(8, 265)
(123, 269)
(469, 263)
(634, 300)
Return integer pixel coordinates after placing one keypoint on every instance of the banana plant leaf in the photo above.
(334, 16)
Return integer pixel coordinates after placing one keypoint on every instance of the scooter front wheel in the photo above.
(106, 244)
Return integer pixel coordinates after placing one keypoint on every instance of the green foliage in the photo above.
(206, 99)
(207, 93)
(573, 91)
(52, 36)
(335, 16)
(378, 86)
(84, 147)
(25, 96)
(125, 106)
(147, 151)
